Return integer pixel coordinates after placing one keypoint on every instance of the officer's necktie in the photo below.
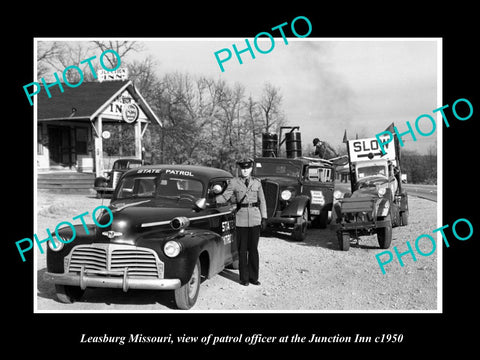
(246, 182)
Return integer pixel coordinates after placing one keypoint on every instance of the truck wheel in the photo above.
(186, 296)
(343, 240)
(384, 236)
(68, 294)
(300, 230)
(403, 218)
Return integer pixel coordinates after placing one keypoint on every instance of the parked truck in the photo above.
(377, 201)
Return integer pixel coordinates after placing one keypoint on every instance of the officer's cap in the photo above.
(245, 163)
(316, 141)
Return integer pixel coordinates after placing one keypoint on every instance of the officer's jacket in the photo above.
(235, 191)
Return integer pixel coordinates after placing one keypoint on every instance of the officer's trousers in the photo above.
(248, 259)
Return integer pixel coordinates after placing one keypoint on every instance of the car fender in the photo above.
(99, 181)
(296, 206)
(196, 244)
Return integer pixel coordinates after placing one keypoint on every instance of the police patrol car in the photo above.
(167, 233)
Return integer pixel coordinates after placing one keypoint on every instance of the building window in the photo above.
(81, 140)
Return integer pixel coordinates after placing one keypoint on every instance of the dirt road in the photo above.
(312, 275)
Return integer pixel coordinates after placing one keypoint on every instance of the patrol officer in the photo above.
(246, 191)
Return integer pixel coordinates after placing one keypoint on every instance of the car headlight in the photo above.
(386, 207)
(381, 191)
(172, 248)
(286, 195)
(337, 194)
(58, 244)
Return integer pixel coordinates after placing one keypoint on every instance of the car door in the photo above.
(223, 225)
(318, 185)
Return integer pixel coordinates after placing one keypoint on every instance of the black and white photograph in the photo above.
(152, 145)
(241, 181)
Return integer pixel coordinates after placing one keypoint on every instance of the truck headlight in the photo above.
(58, 244)
(337, 194)
(172, 248)
(381, 191)
(286, 195)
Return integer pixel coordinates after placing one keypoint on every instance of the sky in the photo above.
(328, 85)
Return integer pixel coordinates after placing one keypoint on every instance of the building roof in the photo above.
(88, 99)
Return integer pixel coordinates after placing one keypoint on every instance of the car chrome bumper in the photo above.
(84, 280)
(277, 220)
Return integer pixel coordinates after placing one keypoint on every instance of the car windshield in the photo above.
(319, 174)
(159, 186)
(374, 170)
(276, 169)
(122, 165)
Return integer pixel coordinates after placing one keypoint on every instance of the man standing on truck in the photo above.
(246, 191)
(323, 150)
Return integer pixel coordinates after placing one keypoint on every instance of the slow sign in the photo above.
(369, 149)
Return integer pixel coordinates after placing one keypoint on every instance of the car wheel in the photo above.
(343, 240)
(300, 230)
(384, 236)
(403, 218)
(68, 294)
(186, 296)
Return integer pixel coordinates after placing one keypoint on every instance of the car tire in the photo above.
(299, 232)
(186, 296)
(343, 240)
(384, 236)
(68, 294)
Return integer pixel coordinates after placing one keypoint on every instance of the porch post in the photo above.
(98, 147)
(138, 139)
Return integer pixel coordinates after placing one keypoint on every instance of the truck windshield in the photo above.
(136, 186)
(319, 174)
(277, 169)
(374, 170)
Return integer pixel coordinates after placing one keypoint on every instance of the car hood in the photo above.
(282, 181)
(133, 218)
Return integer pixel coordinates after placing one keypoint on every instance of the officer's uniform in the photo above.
(252, 208)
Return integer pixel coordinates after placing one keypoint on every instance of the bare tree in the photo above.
(270, 103)
(122, 48)
(254, 120)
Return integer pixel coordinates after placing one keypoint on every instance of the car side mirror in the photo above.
(200, 204)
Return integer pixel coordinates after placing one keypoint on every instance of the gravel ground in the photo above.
(312, 275)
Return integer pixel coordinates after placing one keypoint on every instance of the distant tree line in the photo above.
(420, 168)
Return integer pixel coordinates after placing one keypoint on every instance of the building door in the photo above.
(59, 146)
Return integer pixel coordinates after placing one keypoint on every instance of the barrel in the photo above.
(293, 143)
(269, 145)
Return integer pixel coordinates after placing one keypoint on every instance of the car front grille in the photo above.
(270, 189)
(114, 259)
